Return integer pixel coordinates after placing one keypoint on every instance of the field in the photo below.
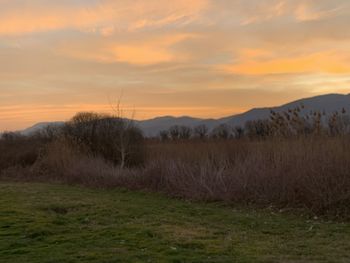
(56, 223)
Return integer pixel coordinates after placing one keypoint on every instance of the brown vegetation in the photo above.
(304, 166)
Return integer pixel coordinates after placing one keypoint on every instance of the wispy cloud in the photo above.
(147, 50)
(323, 62)
(20, 17)
(200, 57)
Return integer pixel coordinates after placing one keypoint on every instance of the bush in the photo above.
(115, 139)
(285, 170)
(63, 163)
(18, 150)
(297, 173)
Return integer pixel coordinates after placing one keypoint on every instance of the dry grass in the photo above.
(303, 173)
(309, 173)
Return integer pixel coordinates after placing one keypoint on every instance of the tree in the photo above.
(11, 136)
(185, 133)
(223, 131)
(116, 139)
(174, 132)
(49, 133)
(130, 137)
(201, 131)
(164, 135)
(238, 132)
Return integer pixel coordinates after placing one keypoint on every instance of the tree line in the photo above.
(286, 124)
(115, 139)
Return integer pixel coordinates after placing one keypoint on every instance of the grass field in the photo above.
(55, 223)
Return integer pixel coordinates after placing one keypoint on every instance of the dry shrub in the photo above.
(63, 163)
(115, 139)
(301, 173)
(311, 173)
(21, 151)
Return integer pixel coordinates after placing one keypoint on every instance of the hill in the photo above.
(327, 104)
(40, 126)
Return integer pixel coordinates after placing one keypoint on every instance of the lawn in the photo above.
(55, 223)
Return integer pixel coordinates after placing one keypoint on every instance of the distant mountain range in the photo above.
(327, 104)
(40, 126)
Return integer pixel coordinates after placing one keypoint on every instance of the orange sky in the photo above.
(205, 58)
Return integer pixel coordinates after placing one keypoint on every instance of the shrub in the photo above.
(115, 139)
(287, 169)
(19, 150)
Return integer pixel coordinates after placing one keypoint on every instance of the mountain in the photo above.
(40, 126)
(153, 126)
(327, 104)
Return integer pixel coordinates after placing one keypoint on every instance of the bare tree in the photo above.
(223, 131)
(128, 133)
(174, 132)
(238, 132)
(114, 138)
(50, 132)
(10, 136)
(164, 135)
(185, 133)
(201, 131)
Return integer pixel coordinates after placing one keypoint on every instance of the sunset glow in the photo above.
(204, 58)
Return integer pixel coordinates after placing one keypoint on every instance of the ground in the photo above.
(55, 223)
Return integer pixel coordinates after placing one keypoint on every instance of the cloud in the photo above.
(257, 11)
(200, 57)
(318, 10)
(43, 17)
(149, 52)
(323, 62)
(142, 51)
(19, 17)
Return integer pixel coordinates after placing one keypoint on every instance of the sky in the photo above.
(204, 58)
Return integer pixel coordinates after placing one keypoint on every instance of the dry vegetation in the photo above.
(286, 162)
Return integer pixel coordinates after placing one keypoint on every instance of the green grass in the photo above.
(55, 223)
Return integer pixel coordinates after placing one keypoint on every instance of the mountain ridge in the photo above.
(328, 103)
